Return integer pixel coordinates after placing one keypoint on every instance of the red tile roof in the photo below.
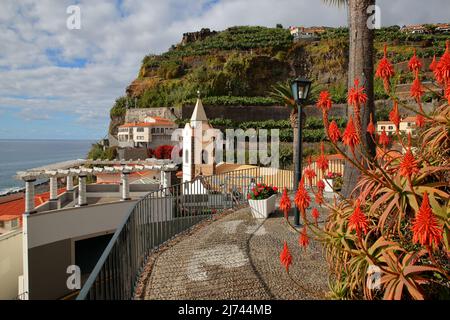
(158, 122)
(16, 207)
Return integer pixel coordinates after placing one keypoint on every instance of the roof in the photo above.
(199, 112)
(8, 217)
(154, 121)
(16, 207)
(409, 119)
(384, 122)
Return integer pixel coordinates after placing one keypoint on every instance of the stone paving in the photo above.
(236, 257)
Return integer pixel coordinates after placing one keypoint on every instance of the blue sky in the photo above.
(61, 83)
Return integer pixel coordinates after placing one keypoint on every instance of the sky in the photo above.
(59, 83)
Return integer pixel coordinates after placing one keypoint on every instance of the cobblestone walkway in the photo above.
(236, 257)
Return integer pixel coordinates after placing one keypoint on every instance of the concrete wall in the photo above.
(47, 270)
(51, 240)
(10, 264)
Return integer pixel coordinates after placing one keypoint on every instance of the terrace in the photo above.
(201, 235)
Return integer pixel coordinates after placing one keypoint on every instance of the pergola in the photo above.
(82, 168)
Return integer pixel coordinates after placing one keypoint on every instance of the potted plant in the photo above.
(329, 181)
(261, 200)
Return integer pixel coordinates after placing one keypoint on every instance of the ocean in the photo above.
(18, 155)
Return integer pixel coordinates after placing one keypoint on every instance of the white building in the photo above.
(151, 133)
(407, 125)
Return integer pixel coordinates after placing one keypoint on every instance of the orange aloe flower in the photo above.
(394, 116)
(350, 137)
(442, 68)
(285, 203)
(371, 126)
(302, 198)
(315, 214)
(408, 165)
(358, 221)
(416, 89)
(414, 63)
(433, 63)
(303, 239)
(318, 198)
(324, 102)
(383, 139)
(333, 132)
(320, 185)
(285, 257)
(447, 92)
(356, 95)
(322, 160)
(420, 120)
(385, 70)
(426, 230)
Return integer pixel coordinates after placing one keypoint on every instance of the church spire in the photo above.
(199, 112)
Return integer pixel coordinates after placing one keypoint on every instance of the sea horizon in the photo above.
(22, 154)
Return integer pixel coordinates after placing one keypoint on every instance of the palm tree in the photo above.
(281, 92)
(361, 61)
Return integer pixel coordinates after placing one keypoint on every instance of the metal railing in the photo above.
(161, 215)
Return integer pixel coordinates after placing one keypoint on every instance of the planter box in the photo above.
(328, 185)
(262, 208)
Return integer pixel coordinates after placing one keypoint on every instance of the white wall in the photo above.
(52, 226)
(10, 263)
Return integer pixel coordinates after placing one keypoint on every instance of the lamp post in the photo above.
(300, 88)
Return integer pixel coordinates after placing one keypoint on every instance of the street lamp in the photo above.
(300, 88)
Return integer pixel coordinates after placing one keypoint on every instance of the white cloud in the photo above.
(113, 41)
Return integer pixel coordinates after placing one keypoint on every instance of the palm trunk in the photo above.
(361, 53)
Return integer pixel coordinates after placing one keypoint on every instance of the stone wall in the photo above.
(258, 113)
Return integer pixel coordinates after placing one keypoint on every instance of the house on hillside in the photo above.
(306, 32)
(407, 125)
(151, 133)
(414, 29)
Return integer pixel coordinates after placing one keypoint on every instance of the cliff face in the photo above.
(239, 66)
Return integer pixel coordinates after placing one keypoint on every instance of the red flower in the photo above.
(385, 70)
(442, 68)
(315, 214)
(447, 92)
(285, 257)
(320, 185)
(319, 197)
(249, 196)
(310, 174)
(256, 193)
(371, 126)
(383, 139)
(324, 101)
(303, 239)
(285, 203)
(275, 189)
(416, 89)
(358, 221)
(408, 165)
(414, 63)
(394, 115)
(426, 230)
(433, 63)
(333, 132)
(420, 120)
(350, 137)
(356, 95)
(322, 160)
(302, 198)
